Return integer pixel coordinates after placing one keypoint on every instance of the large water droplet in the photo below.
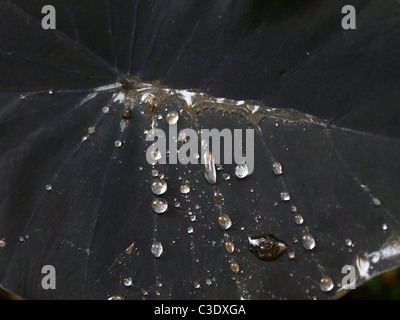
(224, 221)
(326, 284)
(159, 187)
(267, 246)
(159, 205)
(308, 241)
(209, 167)
(277, 168)
(376, 202)
(156, 249)
(241, 170)
(172, 117)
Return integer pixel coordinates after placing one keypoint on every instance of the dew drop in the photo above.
(224, 221)
(91, 130)
(384, 226)
(291, 255)
(226, 176)
(159, 187)
(348, 242)
(308, 241)
(326, 284)
(241, 170)
(267, 247)
(118, 143)
(172, 117)
(285, 196)
(229, 246)
(105, 110)
(154, 173)
(159, 205)
(190, 230)
(3, 243)
(128, 282)
(116, 297)
(235, 267)
(155, 155)
(298, 219)
(49, 187)
(185, 188)
(277, 168)
(210, 172)
(156, 249)
(376, 202)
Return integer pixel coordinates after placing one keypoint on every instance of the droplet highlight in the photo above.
(210, 173)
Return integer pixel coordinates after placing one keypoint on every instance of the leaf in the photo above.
(71, 198)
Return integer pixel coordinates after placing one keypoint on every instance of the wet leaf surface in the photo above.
(76, 188)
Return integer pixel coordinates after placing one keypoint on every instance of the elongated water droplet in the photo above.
(210, 172)
(159, 205)
(185, 188)
(267, 247)
(241, 170)
(156, 249)
(159, 187)
(309, 242)
(229, 246)
(376, 202)
(277, 168)
(285, 196)
(235, 267)
(224, 221)
(326, 284)
(172, 117)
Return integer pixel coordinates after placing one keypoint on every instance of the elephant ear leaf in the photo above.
(87, 206)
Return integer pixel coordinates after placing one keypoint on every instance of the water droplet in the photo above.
(154, 173)
(291, 255)
(190, 229)
(235, 267)
(49, 187)
(156, 249)
(159, 205)
(155, 155)
(159, 187)
(197, 285)
(172, 117)
(91, 130)
(116, 297)
(210, 172)
(308, 241)
(326, 284)
(84, 138)
(224, 221)
(105, 110)
(384, 226)
(3, 243)
(298, 219)
(267, 246)
(51, 91)
(118, 143)
(241, 170)
(229, 246)
(285, 196)
(277, 168)
(208, 282)
(185, 188)
(376, 202)
(128, 282)
(293, 208)
(349, 242)
(226, 176)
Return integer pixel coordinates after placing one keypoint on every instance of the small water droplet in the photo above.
(229, 246)
(235, 267)
(159, 187)
(49, 187)
(118, 143)
(190, 229)
(128, 282)
(309, 242)
(226, 176)
(197, 285)
(348, 242)
(224, 221)
(277, 168)
(291, 255)
(155, 155)
(285, 196)
(210, 172)
(376, 202)
(293, 208)
(3, 243)
(384, 226)
(105, 110)
(116, 297)
(298, 219)
(241, 170)
(51, 91)
(208, 282)
(326, 284)
(267, 247)
(91, 130)
(159, 205)
(156, 249)
(185, 188)
(172, 117)
(154, 173)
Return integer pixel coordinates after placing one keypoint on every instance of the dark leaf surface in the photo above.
(291, 55)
